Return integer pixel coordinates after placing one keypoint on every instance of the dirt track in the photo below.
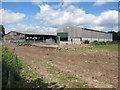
(96, 67)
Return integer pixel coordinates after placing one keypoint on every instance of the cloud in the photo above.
(102, 2)
(8, 17)
(30, 27)
(108, 18)
(76, 16)
(70, 15)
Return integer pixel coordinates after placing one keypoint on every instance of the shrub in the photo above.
(95, 42)
(102, 43)
(109, 42)
(98, 43)
(86, 42)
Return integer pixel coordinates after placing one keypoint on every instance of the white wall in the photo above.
(77, 40)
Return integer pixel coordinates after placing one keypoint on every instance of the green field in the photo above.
(110, 47)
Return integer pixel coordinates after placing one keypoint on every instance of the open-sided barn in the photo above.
(74, 34)
(31, 37)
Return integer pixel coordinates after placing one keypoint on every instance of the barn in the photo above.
(30, 37)
(67, 34)
(77, 35)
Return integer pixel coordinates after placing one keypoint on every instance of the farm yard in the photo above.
(71, 66)
(59, 45)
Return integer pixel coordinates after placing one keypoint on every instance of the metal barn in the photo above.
(78, 35)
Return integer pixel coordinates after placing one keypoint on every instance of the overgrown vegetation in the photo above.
(98, 43)
(86, 42)
(105, 45)
(31, 79)
(24, 44)
(18, 75)
(10, 71)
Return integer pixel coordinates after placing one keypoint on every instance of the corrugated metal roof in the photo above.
(65, 28)
(32, 33)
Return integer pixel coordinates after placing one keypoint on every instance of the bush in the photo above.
(109, 42)
(95, 42)
(86, 42)
(98, 43)
(102, 43)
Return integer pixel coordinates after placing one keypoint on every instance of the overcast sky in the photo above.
(47, 17)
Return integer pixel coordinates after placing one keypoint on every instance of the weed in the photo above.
(63, 77)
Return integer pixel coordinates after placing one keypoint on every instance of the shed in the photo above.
(31, 37)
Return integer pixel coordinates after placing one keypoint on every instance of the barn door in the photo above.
(80, 38)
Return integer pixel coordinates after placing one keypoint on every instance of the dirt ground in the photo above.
(97, 67)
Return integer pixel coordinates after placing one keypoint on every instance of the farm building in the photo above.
(2, 31)
(77, 35)
(30, 37)
(67, 34)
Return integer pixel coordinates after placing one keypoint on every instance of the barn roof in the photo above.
(78, 28)
(32, 33)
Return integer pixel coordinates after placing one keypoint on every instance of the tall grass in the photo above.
(8, 66)
(105, 45)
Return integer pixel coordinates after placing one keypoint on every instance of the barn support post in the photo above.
(91, 36)
(43, 39)
(58, 40)
(34, 39)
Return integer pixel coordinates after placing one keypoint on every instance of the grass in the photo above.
(109, 47)
(9, 66)
(33, 79)
(64, 78)
(28, 73)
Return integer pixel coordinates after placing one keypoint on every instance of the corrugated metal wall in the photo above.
(75, 32)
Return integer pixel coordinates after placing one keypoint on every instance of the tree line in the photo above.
(116, 36)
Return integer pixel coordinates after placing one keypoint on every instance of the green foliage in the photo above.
(86, 42)
(98, 43)
(22, 76)
(71, 77)
(7, 65)
(24, 44)
(109, 42)
(110, 47)
(7, 57)
(78, 85)
(116, 36)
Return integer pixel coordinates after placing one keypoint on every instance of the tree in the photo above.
(116, 36)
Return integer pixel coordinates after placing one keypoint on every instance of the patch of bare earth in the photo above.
(96, 67)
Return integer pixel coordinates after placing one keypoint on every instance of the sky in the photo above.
(47, 17)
